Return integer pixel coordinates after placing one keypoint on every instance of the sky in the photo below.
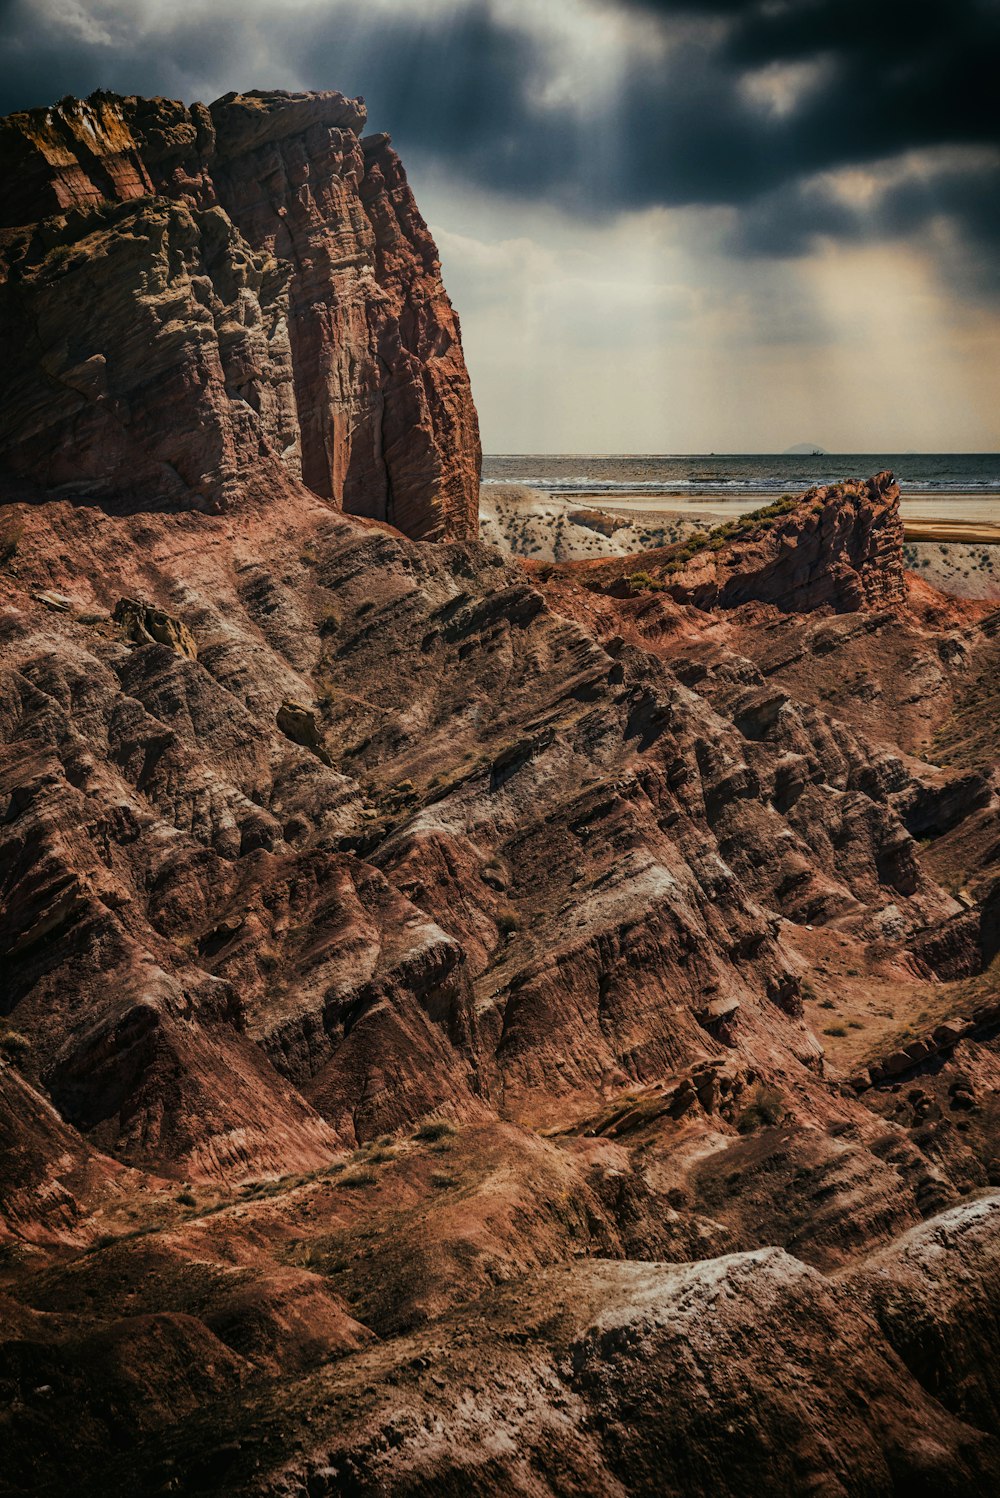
(667, 225)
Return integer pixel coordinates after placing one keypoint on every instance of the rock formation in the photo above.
(838, 546)
(464, 1028)
(200, 296)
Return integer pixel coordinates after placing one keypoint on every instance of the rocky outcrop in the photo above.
(199, 298)
(145, 625)
(299, 724)
(838, 547)
(50, 1180)
(936, 1296)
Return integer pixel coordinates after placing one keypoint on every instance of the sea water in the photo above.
(738, 473)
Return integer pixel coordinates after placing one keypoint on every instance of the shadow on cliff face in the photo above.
(176, 331)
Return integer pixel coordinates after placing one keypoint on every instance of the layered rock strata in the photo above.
(464, 1028)
(194, 296)
(838, 546)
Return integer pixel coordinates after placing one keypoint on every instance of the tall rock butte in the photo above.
(198, 298)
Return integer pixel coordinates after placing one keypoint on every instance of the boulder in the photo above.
(299, 724)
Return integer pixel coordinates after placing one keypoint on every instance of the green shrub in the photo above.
(187, 1199)
(641, 582)
(835, 1030)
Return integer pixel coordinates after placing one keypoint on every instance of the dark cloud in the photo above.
(901, 75)
(467, 90)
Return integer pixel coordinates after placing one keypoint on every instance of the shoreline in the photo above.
(960, 516)
(644, 498)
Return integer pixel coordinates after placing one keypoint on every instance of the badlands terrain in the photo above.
(469, 1025)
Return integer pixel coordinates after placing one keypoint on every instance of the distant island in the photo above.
(805, 450)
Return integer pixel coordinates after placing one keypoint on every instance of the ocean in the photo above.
(739, 473)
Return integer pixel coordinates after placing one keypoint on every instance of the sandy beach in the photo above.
(971, 518)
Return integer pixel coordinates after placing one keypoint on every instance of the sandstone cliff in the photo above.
(197, 298)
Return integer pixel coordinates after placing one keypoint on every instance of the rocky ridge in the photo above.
(836, 546)
(416, 928)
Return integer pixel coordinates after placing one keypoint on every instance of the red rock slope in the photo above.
(197, 294)
(839, 546)
(461, 1031)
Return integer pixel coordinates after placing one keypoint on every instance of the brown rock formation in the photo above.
(200, 295)
(144, 625)
(462, 1030)
(838, 547)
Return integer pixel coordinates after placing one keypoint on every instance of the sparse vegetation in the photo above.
(395, 798)
(59, 257)
(508, 921)
(434, 1129)
(361, 1176)
(745, 527)
(766, 1108)
(14, 1044)
(11, 536)
(381, 1153)
(641, 582)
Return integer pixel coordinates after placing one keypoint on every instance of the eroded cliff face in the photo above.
(199, 298)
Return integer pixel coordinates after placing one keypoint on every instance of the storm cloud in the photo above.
(700, 102)
(772, 128)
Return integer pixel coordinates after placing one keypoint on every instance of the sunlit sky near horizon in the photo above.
(687, 227)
